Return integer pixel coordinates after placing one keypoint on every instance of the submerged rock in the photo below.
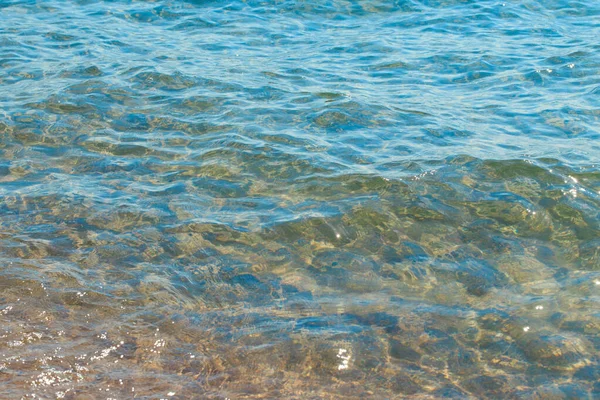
(588, 373)
(589, 255)
(451, 392)
(485, 386)
(377, 319)
(403, 384)
(554, 351)
(524, 270)
(463, 361)
(403, 351)
(477, 276)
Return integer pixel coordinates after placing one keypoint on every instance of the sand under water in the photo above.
(299, 200)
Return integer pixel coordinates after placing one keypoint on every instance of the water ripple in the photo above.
(329, 199)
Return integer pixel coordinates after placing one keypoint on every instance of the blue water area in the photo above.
(299, 199)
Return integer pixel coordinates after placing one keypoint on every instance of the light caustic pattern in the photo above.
(299, 199)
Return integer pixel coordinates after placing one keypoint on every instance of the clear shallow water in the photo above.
(299, 199)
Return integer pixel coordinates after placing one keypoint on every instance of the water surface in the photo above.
(299, 199)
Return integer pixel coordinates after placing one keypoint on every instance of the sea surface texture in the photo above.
(300, 199)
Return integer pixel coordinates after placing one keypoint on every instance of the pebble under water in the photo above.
(300, 199)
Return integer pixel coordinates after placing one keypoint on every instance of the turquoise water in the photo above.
(299, 199)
